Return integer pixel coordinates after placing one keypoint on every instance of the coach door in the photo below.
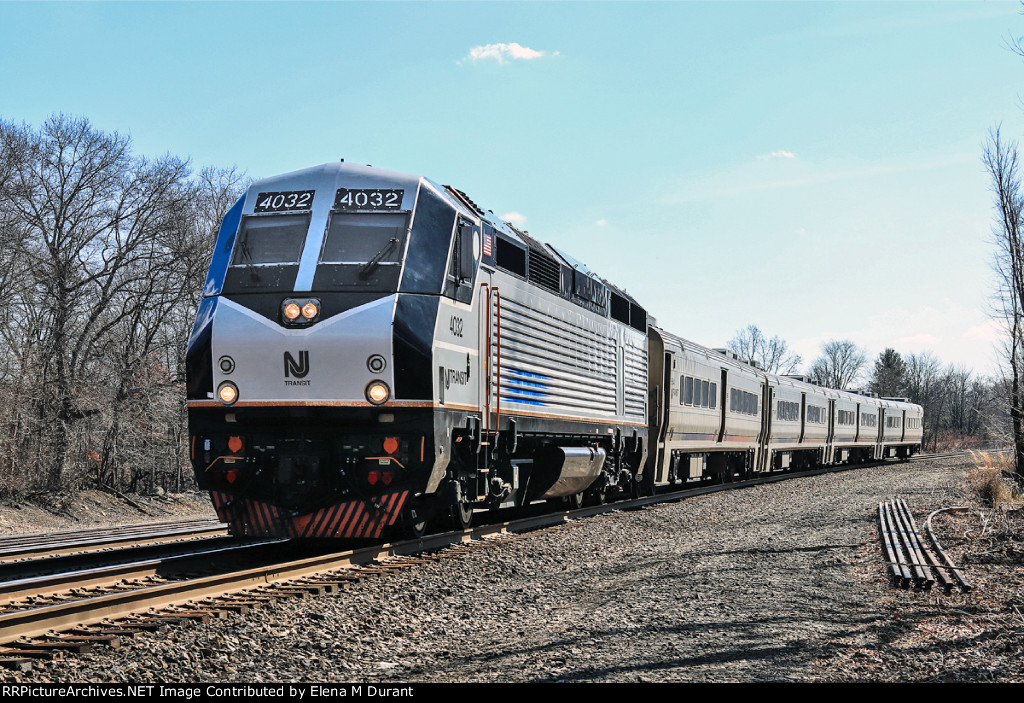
(830, 439)
(764, 461)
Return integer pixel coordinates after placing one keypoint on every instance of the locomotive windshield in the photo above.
(364, 238)
(273, 239)
(266, 254)
(362, 251)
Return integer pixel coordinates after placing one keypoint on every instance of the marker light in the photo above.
(227, 392)
(291, 311)
(227, 364)
(310, 310)
(377, 392)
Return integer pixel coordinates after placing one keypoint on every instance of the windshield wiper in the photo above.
(250, 265)
(373, 263)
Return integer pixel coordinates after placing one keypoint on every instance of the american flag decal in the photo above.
(487, 245)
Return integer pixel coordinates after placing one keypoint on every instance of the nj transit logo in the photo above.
(299, 368)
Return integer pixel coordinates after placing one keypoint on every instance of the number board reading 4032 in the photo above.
(368, 199)
(284, 201)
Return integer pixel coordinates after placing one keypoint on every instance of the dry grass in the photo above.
(990, 483)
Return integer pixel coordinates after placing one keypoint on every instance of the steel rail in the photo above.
(37, 621)
(56, 544)
(88, 532)
(83, 560)
(965, 585)
(51, 584)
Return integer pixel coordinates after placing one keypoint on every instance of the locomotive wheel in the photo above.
(462, 515)
(575, 502)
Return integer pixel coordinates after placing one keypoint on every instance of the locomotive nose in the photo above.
(310, 355)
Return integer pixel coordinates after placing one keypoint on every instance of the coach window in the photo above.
(704, 389)
(712, 400)
(688, 391)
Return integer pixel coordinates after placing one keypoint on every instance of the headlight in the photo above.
(299, 312)
(377, 392)
(227, 392)
(227, 364)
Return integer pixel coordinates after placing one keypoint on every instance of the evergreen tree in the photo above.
(890, 376)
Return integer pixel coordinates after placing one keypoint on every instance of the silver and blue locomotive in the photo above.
(374, 351)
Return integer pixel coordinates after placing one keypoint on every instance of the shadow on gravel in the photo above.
(790, 550)
(690, 646)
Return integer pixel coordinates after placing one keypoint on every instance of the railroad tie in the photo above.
(13, 653)
(887, 542)
(914, 544)
(20, 665)
(899, 566)
(908, 560)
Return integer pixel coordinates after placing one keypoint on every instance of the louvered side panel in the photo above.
(635, 383)
(554, 365)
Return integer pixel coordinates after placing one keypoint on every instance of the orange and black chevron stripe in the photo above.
(350, 519)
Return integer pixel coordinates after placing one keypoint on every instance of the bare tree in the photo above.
(1001, 161)
(92, 214)
(773, 355)
(103, 255)
(839, 364)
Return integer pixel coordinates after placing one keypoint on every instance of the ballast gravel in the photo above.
(779, 582)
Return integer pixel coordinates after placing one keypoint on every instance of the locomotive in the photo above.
(373, 353)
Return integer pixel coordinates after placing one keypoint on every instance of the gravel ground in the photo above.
(783, 582)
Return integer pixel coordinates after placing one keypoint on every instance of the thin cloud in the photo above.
(503, 53)
(601, 223)
(515, 218)
(780, 154)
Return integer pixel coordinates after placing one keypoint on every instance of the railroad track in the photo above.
(49, 544)
(73, 611)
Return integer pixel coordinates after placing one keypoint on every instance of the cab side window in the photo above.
(463, 261)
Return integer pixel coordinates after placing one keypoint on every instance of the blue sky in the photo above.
(809, 167)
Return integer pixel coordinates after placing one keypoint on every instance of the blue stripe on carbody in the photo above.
(526, 384)
(527, 374)
(513, 389)
(509, 399)
(222, 250)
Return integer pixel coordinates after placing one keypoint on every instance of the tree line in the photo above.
(961, 408)
(103, 254)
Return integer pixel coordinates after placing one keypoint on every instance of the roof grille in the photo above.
(545, 272)
(465, 200)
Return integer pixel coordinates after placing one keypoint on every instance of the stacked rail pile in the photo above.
(910, 560)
